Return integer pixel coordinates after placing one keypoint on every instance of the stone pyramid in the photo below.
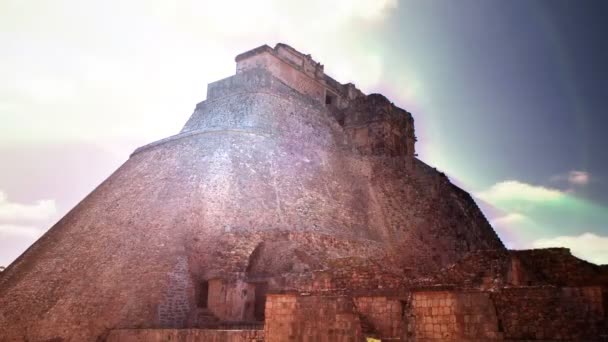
(282, 180)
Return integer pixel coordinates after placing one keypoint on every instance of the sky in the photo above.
(509, 97)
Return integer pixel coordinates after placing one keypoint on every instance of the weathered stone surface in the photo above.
(296, 203)
(311, 318)
(184, 335)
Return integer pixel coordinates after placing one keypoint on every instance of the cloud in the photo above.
(24, 231)
(588, 246)
(270, 15)
(515, 229)
(21, 224)
(42, 210)
(578, 177)
(512, 190)
(573, 178)
(368, 9)
(525, 213)
(508, 220)
(123, 69)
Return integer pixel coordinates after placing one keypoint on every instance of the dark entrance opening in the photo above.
(203, 295)
(330, 99)
(260, 301)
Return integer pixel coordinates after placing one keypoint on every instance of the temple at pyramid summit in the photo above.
(291, 207)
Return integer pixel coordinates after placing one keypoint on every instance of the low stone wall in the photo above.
(290, 317)
(357, 274)
(557, 266)
(381, 316)
(551, 313)
(184, 335)
(497, 268)
(453, 316)
(422, 315)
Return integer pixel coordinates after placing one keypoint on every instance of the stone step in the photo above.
(207, 317)
(203, 318)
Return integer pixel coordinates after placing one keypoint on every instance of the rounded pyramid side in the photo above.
(121, 253)
(256, 160)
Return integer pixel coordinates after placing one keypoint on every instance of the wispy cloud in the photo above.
(573, 178)
(532, 216)
(508, 227)
(509, 219)
(579, 177)
(513, 190)
(16, 230)
(588, 246)
(17, 212)
(151, 59)
(21, 224)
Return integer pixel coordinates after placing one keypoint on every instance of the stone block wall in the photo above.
(300, 72)
(525, 313)
(551, 313)
(256, 102)
(452, 316)
(494, 269)
(291, 317)
(184, 335)
(557, 266)
(231, 301)
(484, 269)
(361, 274)
(381, 316)
(175, 308)
(284, 71)
(303, 62)
(375, 126)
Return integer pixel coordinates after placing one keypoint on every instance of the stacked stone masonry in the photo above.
(185, 335)
(311, 318)
(444, 316)
(290, 207)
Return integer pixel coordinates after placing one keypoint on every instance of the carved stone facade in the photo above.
(290, 207)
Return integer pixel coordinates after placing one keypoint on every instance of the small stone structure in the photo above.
(290, 207)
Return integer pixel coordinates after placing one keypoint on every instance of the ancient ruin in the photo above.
(290, 207)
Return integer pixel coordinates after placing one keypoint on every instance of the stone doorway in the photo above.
(203, 295)
(261, 289)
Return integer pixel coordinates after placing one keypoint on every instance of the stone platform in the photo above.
(184, 335)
